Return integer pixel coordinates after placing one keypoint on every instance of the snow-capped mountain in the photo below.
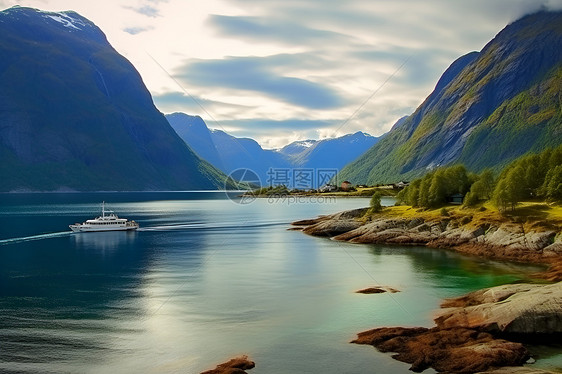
(228, 153)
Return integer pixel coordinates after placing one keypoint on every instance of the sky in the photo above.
(285, 70)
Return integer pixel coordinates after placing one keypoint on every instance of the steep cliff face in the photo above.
(74, 114)
(487, 109)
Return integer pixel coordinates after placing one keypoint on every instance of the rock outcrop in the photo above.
(237, 365)
(377, 289)
(502, 240)
(467, 336)
(334, 224)
(520, 309)
(456, 350)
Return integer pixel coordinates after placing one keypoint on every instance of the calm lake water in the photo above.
(206, 279)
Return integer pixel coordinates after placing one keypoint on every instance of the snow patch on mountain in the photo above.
(66, 20)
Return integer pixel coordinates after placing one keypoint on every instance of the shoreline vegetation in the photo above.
(516, 216)
(389, 190)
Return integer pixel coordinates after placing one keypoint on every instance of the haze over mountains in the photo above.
(75, 115)
(229, 153)
(488, 108)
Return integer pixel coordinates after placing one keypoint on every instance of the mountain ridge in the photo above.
(76, 115)
(523, 55)
(233, 153)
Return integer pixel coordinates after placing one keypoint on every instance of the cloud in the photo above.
(146, 10)
(276, 134)
(261, 75)
(170, 102)
(273, 125)
(137, 30)
(275, 69)
(271, 29)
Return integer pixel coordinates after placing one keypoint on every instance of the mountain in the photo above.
(487, 109)
(76, 115)
(200, 139)
(333, 153)
(229, 153)
(297, 147)
(225, 151)
(246, 153)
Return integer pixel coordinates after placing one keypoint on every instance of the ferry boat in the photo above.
(105, 222)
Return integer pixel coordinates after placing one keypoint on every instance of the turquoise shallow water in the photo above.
(206, 279)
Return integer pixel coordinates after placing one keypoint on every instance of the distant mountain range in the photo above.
(75, 115)
(488, 108)
(229, 153)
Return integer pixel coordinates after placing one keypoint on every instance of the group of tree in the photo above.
(528, 177)
(437, 186)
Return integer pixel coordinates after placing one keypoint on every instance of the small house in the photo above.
(402, 184)
(328, 188)
(456, 199)
(345, 185)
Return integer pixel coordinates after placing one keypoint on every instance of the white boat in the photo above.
(105, 222)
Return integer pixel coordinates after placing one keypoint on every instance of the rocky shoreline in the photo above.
(484, 331)
(497, 240)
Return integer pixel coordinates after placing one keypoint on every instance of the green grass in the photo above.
(533, 215)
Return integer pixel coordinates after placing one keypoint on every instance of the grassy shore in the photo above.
(359, 192)
(535, 215)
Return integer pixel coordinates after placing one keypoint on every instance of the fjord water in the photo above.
(206, 279)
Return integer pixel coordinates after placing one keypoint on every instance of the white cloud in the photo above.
(296, 63)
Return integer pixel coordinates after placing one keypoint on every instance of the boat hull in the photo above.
(82, 228)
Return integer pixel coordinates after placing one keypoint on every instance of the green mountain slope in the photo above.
(487, 109)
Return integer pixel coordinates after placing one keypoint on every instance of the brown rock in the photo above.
(331, 227)
(309, 222)
(377, 289)
(237, 365)
(457, 349)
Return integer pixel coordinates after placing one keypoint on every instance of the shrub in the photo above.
(376, 202)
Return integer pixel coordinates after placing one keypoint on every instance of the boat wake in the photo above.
(34, 237)
(169, 227)
(210, 226)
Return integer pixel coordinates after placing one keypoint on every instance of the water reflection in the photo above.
(449, 269)
(103, 241)
(204, 280)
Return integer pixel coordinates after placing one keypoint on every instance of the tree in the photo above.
(456, 180)
(482, 189)
(486, 183)
(553, 183)
(471, 199)
(510, 190)
(423, 197)
(438, 190)
(376, 206)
